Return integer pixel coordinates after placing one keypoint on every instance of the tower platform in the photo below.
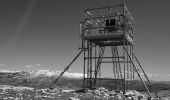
(116, 39)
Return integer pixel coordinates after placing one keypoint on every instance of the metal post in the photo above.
(124, 47)
(91, 70)
(127, 85)
(138, 74)
(88, 64)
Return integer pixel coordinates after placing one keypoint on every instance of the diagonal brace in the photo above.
(67, 67)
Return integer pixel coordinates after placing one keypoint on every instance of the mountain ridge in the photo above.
(46, 78)
(43, 72)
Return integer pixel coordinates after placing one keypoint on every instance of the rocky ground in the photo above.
(25, 93)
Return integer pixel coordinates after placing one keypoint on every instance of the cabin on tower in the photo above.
(108, 26)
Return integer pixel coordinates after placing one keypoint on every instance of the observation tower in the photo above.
(109, 28)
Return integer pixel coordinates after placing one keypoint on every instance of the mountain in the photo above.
(41, 72)
(45, 78)
(40, 78)
(55, 73)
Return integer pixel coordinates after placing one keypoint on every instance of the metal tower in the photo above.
(111, 28)
(108, 27)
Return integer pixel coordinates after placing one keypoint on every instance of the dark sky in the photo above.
(46, 32)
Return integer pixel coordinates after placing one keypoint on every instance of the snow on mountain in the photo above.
(17, 88)
(7, 71)
(55, 73)
(45, 72)
(33, 65)
(73, 75)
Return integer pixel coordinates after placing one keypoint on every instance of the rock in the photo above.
(73, 98)
(117, 97)
(129, 93)
(140, 97)
(82, 90)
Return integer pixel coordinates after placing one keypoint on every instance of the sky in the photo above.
(46, 33)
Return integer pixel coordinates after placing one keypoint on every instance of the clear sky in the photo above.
(46, 32)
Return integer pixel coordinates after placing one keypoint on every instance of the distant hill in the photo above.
(45, 78)
(39, 78)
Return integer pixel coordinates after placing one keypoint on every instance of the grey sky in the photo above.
(51, 35)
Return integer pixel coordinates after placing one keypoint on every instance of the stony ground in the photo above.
(26, 93)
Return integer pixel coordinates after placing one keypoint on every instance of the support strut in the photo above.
(138, 73)
(145, 74)
(67, 67)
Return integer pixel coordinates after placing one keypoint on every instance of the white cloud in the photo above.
(73, 75)
(56, 72)
(7, 71)
(33, 65)
(43, 72)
